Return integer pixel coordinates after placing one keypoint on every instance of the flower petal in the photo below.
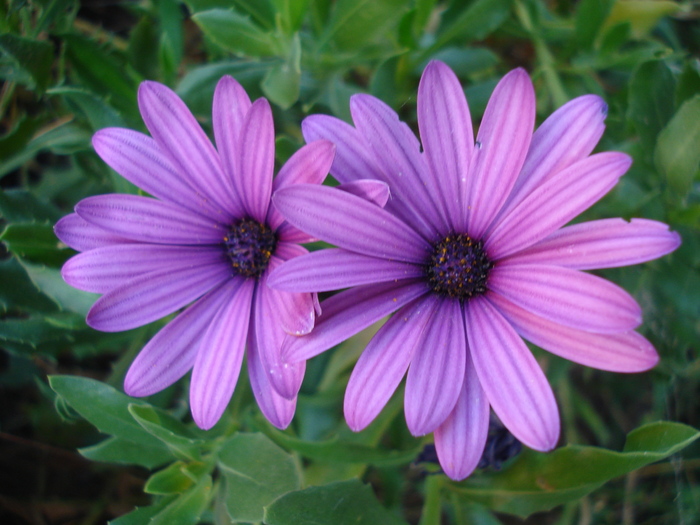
(292, 235)
(556, 202)
(348, 312)
(567, 136)
(461, 438)
(501, 147)
(514, 383)
(153, 295)
(448, 139)
(606, 243)
(184, 142)
(171, 353)
(103, 269)
(148, 220)
(624, 352)
(256, 160)
(384, 362)
(374, 191)
(219, 359)
(335, 269)
(139, 159)
(349, 222)
(80, 235)
(402, 166)
(278, 410)
(568, 297)
(437, 370)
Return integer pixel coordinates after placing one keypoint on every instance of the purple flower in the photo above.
(209, 238)
(470, 254)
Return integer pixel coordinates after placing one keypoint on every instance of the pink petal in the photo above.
(256, 160)
(514, 384)
(447, 136)
(374, 191)
(171, 353)
(348, 312)
(568, 297)
(335, 269)
(219, 358)
(437, 370)
(349, 222)
(184, 142)
(556, 202)
(461, 438)
(384, 362)
(80, 235)
(154, 295)
(605, 243)
(501, 147)
(623, 352)
(148, 220)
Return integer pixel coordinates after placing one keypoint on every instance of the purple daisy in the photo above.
(209, 238)
(470, 254)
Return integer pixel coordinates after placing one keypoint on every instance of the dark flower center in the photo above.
(458, 267)
(250, 245)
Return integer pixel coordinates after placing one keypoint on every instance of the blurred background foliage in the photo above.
(69, 68)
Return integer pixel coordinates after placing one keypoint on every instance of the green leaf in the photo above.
(187, 508)
(590, 15)
(476, 22)
(173, 479)
(235, 33)
(357, 23)
(282, 82)
(650, 106)
(104, 407)
(32, 331)
(677, 152)
(538, 482)
(142, 515)
(257, 472)
(343, 503)
(50, 282)
(291, 12)
(30, 58)
(17, 291)
(19, 135)
(34, 242)
(22, 206)
(118, 450)
(97, 111)
(168, 430)
(642, 15)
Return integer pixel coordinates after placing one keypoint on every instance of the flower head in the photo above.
(471, 255)
(208, 239)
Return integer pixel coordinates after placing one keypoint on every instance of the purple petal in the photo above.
(292, 235)
(567, 136)
(501, 147)
(384, 362)
(374, 191)
(230, 106)
(437, 370)
(103, 269)
(219, 359)
(309, 165)
(568, 297)
(171, 353)
(256, 160)
(349, 222)
(296, 310)
(335, 269)
(556, 202)
(624, 352)
(139, 159)
(348, 312)
(352, 160)
(461, 438)
(80, 235)
(278, 410)
(182, 139)
(605, 243)
(154, 295)
(448, 139)
(148, 220)
(514, 383)
(415, 197)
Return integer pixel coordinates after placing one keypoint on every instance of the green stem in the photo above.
(432, 508)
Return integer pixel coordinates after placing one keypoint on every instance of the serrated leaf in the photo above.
(168, 430)
(235, 33)
(50, 283)
(97, 111)
(33, 57)
(257, 472)
(342, 503)
(17, 205)
(677, 153)
(538, 482)
(118, 450)
(34, 242)
(32, 331)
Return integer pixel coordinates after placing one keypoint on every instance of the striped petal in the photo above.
(81, 235)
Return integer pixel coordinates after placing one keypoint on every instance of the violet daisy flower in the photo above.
(470, 254)
(209, 238)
